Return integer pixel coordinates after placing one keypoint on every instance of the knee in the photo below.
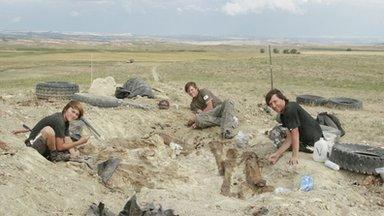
(228, 102)
(48, 132)
(198, 119)
(201, 120)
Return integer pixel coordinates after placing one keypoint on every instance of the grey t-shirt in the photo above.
(56, 122)
(294, 116)
(200, 101)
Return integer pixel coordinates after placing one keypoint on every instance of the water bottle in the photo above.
(281, 190)
(306, 183)
(320, 150)
(331, 165)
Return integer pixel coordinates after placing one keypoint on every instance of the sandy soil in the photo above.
(188, 182)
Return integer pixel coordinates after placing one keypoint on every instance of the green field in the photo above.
(352, 71)
(238, 72)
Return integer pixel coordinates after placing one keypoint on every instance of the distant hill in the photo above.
(199, 39)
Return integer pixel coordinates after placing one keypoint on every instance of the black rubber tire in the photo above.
(345, 103)
(357, 158)
(96, 100)
(63, 90)
(311, 100)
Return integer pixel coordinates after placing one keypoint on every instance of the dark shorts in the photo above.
(40, 145)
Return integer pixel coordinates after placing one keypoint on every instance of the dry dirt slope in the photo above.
(188, 183)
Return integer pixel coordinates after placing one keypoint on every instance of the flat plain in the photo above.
(187, 183)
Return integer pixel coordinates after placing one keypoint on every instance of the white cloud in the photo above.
(16, 19)
(234, 7)
(21, 1)
(74, 13)
(177, 5)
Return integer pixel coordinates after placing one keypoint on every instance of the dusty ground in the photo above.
(189, 182)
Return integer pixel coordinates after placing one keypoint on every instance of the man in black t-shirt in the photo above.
(210, 111)
(51, 135)
(303, 130)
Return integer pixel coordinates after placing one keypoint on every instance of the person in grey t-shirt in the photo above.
(210, 111)
(51, 135)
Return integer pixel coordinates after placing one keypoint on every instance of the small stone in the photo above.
(3, 145)
(380, 203)
(261, 211)
(369, 180)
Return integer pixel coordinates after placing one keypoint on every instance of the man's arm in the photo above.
(65, 144)
(273, 158)
(209, 106)
(292, 139)
(21, 130)
(295, 146)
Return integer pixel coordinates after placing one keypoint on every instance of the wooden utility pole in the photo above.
(270, 65)
(91, 66)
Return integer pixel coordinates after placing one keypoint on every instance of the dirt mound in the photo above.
(209, 176)
(103, 86)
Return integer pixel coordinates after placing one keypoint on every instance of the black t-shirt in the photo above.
(200, 101)
(294, 116)
(56, 122)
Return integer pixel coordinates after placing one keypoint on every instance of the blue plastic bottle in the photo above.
(306, 183)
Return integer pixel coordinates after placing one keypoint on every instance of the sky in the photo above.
(229, 18)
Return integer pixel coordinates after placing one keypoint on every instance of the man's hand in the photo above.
(83, 140)
(273, 158)
(294, 160)
(17, 131)
(190, 122)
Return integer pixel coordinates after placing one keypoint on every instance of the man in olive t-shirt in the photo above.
(211, 111)
(203, 99)
(303, 130)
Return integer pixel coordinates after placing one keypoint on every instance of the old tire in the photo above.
(63, 90)
(357, 158)
(311, 100)
(347, 103)
(96, 100)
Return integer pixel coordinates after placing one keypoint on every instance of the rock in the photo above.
(370, 180)
(261, 211)
(3, 146)
(380, 203)
(166, 138)
(103, 86)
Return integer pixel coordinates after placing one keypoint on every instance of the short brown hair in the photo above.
(75, 105)
(190, 84)
(276, 92)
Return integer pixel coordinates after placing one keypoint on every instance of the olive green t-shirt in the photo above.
(56, 122)
(200, 101)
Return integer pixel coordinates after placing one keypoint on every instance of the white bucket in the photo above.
(329, 136)
(380, 171)
(320, 150)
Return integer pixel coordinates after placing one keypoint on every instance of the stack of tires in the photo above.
(311, 100)
(337, 102)
(62, 90)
